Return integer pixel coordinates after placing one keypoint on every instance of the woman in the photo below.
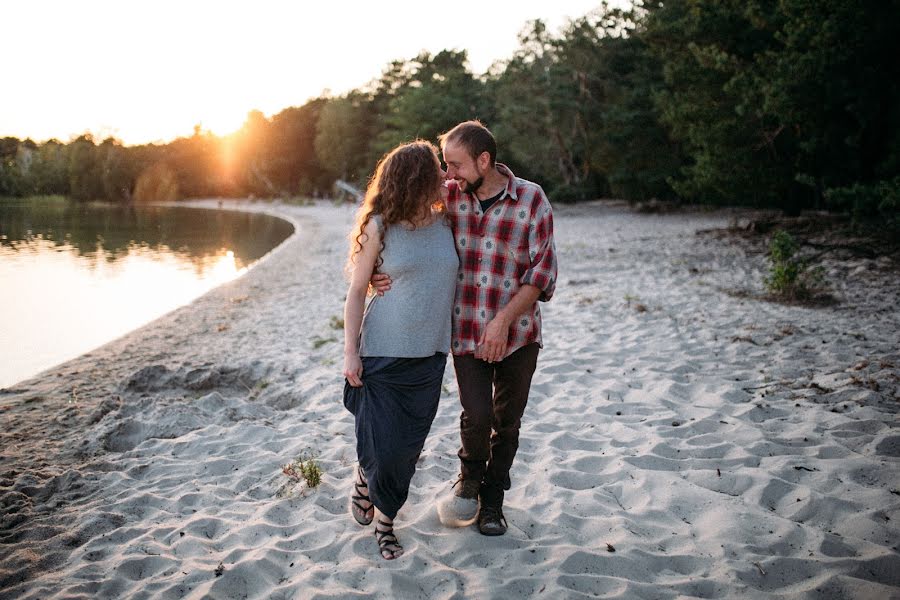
(395, 349)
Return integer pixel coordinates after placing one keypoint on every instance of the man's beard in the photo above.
(472, 186)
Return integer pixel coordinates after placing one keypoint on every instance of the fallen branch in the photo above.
(762, 387)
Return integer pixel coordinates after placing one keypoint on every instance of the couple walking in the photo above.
(459, 261)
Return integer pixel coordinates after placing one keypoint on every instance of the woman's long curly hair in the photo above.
(405, 188)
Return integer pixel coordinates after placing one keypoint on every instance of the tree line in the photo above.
(789, 104)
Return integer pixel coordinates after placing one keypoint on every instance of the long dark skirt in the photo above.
(394, 409)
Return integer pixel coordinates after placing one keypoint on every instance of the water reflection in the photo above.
(77, 276)
(192, 232)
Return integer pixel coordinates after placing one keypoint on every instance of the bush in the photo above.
(881, 198)
(790, 277)
(568, 193)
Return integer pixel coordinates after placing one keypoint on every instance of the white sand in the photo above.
(724, 447)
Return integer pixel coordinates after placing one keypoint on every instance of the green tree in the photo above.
(833, 81)
(576, 112)
(197, 163)
(341, 138)
(293, 163)
(49, 169)
(11, 181)
(777, 102)
(85, 170)
(537, 121)
(429, 95)
(118, 174)
(706, 50)
(631, 149)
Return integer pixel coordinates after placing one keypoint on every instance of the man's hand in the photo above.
(353, 369)
(380, 283)
(492, 345)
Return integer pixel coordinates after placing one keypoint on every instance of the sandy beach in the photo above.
(684, 438)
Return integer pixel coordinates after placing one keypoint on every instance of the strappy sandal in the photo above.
(362, 515)
(387, 539)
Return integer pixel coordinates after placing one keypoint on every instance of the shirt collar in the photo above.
(511, 180)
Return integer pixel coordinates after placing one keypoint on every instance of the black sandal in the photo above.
(363, 516)
(386, 538)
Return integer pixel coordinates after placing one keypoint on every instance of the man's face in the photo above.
(463, 168)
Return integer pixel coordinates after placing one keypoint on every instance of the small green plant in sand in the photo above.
(337, 322)
(257, 388)
(303, 469)
(790, 277)
(639, 307)
(319, 342)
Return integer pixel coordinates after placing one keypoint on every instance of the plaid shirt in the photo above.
(510, 246)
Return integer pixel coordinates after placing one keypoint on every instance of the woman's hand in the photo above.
(353, 369)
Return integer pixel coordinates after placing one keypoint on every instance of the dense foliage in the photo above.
(774, 103)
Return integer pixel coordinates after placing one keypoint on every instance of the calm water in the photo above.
(75, 276)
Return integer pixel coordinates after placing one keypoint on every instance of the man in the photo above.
(503, 226)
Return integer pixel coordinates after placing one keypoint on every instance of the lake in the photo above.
(74, 276)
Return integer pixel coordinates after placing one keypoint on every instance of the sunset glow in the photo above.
(143, 71)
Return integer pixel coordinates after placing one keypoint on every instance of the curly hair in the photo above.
(404, 188)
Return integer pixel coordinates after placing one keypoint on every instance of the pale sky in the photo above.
(149, 71)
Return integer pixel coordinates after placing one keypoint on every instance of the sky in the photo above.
(149, 71)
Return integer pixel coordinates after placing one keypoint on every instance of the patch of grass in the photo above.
(337, 322)
(302, 470)
(638, 306)
(319, 342)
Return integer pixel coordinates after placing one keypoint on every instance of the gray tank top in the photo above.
(412, 319)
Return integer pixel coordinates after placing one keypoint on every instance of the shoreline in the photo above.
(721, 446)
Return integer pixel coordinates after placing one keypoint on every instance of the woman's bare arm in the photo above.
(356, 300)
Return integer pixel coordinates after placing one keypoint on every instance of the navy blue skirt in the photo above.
(394, 410)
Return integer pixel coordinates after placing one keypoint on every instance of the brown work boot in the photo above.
(491, 520)
(461, 507)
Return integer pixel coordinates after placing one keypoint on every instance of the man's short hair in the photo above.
(474, 137)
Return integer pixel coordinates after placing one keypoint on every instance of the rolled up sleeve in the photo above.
(542, 270)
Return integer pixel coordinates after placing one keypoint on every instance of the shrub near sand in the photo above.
(792, 278)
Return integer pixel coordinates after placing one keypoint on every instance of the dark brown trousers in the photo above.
(493, 398)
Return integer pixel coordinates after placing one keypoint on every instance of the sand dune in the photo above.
(681, 441)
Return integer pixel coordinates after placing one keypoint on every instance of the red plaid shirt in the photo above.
(510, 246)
